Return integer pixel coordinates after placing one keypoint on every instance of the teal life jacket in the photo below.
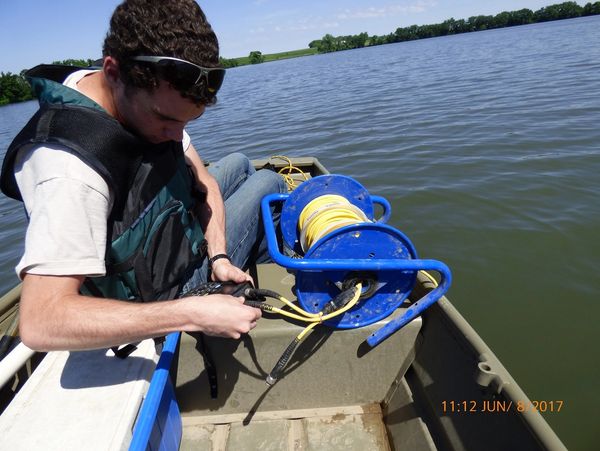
(154, 234)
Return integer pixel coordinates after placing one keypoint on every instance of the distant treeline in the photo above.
(566, 10)
(14, 88)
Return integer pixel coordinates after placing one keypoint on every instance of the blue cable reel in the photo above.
(381, 257)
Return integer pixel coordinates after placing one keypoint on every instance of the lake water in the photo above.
(487, 145)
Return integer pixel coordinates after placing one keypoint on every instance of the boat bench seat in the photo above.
(328, 369)
(79, 400)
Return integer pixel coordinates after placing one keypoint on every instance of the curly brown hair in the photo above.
(175, 28)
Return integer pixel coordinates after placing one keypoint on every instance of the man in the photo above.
(120, 205)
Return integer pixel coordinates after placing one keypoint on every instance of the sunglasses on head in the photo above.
(184, 73)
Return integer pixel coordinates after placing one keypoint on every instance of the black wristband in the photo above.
(214, 258)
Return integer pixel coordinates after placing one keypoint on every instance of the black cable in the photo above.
(259, 304)
(282, 362)
(260, 292)
(339, 301)
(335, 304)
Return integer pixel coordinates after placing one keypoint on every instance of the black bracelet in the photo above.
(214, 258)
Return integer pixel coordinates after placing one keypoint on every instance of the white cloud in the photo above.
(306, 24)
(362, 14)
(331, 25)
(386, 11)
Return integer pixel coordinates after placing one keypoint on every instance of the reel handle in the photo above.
(387, 208)
(416, 309)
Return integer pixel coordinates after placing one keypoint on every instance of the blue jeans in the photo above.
(242, 188)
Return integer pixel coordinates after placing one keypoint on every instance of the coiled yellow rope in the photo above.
(325, 214)
(287, 171)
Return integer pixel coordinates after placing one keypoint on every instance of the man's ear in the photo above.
(110, 67)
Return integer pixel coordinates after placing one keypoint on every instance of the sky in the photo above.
(42, 31)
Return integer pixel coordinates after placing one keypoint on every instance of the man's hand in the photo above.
(222, 315)
(223, 270)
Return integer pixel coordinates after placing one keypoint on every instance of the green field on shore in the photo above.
(277, 56)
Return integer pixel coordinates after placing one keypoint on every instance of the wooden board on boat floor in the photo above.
(333, 428)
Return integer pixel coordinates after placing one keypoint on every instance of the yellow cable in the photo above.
(319, 202)
(316, 317)
(324, 215)
(347, 307)
(294, 316)
(298, 309)
(306, 330)
(430, 277)
(286, 171)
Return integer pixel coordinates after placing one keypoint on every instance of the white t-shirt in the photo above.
(68, 204)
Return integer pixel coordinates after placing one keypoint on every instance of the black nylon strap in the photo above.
(209, 365)
(125, 351)
(110, 150)
(54, 72)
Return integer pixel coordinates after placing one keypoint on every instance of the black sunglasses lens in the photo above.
(215, 79)
(180, 72)
(185, 74)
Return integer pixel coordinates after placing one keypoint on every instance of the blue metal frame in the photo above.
(330, 264)
(158, 426)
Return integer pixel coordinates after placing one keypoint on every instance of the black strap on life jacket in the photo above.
(54, 72)
(97, 138)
